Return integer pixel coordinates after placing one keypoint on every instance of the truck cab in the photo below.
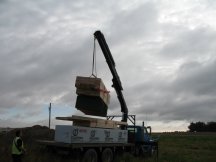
(138, 134)
(141, 136)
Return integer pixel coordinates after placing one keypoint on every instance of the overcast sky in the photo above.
(164, 53)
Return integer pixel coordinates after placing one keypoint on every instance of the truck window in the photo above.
(145, 130)
(131, 129)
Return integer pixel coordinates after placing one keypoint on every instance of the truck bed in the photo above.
(81, 145)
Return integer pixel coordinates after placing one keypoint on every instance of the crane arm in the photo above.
(116, 80)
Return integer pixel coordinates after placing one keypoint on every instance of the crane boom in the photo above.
(116, 80)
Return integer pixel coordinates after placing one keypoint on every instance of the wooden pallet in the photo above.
(92, 122)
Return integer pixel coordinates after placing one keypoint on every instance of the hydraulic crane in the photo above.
(116, 80)
(91, 143)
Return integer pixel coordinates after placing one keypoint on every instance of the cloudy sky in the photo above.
(164, 53)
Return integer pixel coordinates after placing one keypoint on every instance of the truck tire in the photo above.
(90, 156)
(107, 155)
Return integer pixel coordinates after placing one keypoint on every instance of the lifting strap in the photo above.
(94, 67)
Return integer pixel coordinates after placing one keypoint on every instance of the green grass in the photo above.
(187, 147)
(173, 147)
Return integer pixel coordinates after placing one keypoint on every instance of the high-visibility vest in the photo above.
(15, 149)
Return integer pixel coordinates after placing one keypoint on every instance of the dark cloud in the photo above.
(127, 25)
(190, 44)
(167, 66)
(197, 78)
(189, 96)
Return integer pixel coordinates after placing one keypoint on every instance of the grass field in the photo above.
(173, 147)
(183, 147)
(187, 147)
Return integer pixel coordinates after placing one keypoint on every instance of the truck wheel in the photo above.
(90, 156)
(107, 155)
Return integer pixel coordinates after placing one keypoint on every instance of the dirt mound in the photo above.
(29, 135)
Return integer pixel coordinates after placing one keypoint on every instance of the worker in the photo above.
(17, 148)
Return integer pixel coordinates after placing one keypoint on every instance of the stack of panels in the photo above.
(93, 97)
(74, 134)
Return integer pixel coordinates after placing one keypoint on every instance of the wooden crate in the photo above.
(92, 87)
(92, 122)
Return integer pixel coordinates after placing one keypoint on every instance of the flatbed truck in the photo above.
(138, 140)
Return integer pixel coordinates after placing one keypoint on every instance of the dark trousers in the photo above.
(17, 158)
